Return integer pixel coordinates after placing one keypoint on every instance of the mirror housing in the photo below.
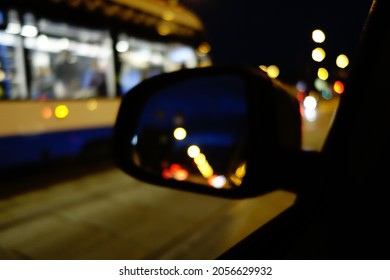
(225, 131)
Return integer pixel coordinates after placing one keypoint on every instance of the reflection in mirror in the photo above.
(194, 130)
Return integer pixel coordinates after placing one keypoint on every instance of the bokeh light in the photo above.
(301, 86)
(204, 48)
(217, 181)
(263, 68)
(92, 104)
(163, 29)
(323, 74)
(180, 133)
(47, 113)
(318, 54)
(61, 111)
(338, 87)
(342, 61)
(273, 71)
(310, 103)
(193, 151)
(318, 36)
(320, 84)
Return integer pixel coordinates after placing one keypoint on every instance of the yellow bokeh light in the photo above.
(2, 75)
(168, 15)
(273, 71)
(163, 29)
(204, 48)
(193, 151)
(342, 61)
(237, 177)
(241, 171)
(318, 36)
(180, 133)
(201, 162)
(92, 104)
(263, 67)
(61, 111)
(200, 159)
(206, 170)
(323, 74)
(318, 54)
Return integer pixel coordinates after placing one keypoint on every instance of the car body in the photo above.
(344, 213)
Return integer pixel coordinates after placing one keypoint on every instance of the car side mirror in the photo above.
(226, 131)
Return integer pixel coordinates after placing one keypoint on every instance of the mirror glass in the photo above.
(194, 130)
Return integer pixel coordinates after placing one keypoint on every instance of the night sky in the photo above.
(254, 32)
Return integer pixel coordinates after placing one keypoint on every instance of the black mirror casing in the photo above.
(270, 115)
